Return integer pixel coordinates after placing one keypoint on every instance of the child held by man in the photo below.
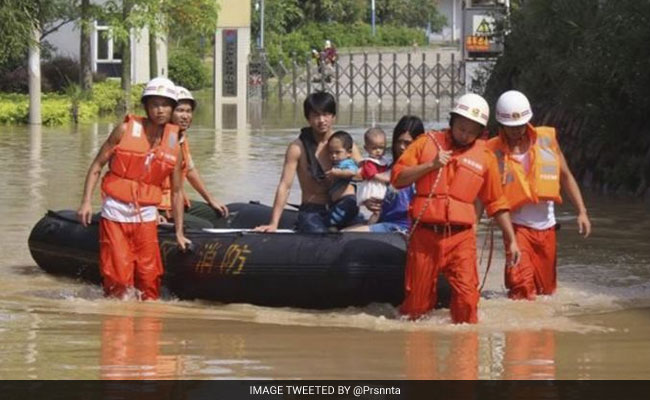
(343, 209)
(373, 170)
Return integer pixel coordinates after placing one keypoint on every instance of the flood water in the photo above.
(597, 326)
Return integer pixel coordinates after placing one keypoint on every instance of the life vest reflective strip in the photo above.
(462, 178)
(542, 182)
(136, 170)
(166, 202)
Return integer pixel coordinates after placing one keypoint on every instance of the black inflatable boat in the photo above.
(233, 265)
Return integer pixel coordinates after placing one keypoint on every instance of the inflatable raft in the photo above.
(231, 264)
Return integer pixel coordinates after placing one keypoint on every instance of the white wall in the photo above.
(453, 27)
(66, 40)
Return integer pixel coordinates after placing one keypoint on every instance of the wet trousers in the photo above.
(129, 257)
(454, 255)
(536, 272)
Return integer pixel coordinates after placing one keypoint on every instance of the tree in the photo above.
(584, 65)
(412, 13)
(24, 25)
(131, 16)
(85, 69)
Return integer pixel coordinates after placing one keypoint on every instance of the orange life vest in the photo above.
(461, 180)
(136, 170)
(542, 182)
(166, 203)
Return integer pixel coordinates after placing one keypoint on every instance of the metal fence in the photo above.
(430, 79)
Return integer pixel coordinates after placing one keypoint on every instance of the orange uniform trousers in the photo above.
(454, 255)
(536, 272)
(129, 257)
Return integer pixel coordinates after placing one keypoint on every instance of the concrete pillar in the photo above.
(231, 51)
(34, 79)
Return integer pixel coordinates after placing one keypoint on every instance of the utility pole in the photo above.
(372, 12)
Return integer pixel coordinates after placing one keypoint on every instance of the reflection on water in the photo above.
(595, 327)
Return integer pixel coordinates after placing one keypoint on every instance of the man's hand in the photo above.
(85, 213)
(333, 173)
(223, 210)
(584, 225)
(441, 159)
(266, 228)
(182, 241)
(513, 255)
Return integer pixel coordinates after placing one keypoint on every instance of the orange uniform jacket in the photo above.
(136, 170)
(488, 190)
(542, 182)
(188, 164)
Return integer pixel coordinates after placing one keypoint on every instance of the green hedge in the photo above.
(186, 69)
(313, 36)
(57, 109)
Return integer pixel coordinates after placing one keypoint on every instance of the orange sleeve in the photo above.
(491, 193)
(410, 158)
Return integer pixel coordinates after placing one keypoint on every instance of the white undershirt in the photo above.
(538, 216)
(118, 211)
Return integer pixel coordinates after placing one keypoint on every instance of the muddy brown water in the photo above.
(597, 326)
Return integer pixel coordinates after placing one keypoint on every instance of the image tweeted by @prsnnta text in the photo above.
(323, 390)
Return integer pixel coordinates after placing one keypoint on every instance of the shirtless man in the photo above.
(308, 156)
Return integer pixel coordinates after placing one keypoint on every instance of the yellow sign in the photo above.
(477, 43)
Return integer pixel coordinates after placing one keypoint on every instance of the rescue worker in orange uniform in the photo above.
(533, 170)
(198, 214)
(142, 153)
(450, 169)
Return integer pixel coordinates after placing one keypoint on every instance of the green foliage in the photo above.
(107, 95)
(584, 64)
(60, 109)
(313, 36)
(297, 26)
(14, 109)
(412, 13)
(186, 69)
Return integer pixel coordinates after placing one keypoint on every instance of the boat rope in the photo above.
(429, 197)
(488, 236)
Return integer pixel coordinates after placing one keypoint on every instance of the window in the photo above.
(107, 54)
(106, 49)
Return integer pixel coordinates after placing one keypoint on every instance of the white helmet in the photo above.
(513, 109)
(159, 86)
(184, 94)
(473, 107)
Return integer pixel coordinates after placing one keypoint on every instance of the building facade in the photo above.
(106, 59)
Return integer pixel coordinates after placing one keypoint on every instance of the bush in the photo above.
(58, 109)
(56, 75)
(59, 73)
(313, 35)
(106, 95)
(186, 69)
(13, 111)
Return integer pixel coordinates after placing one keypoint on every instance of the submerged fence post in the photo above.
(294, 76)
(281, 75)
(365, 76)
(438, 87)
(337, 88)
(408, 81)
(351, 78)
(381, 78)
(453, 81)
(308, 66)
(394, 85)
(423, 84)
